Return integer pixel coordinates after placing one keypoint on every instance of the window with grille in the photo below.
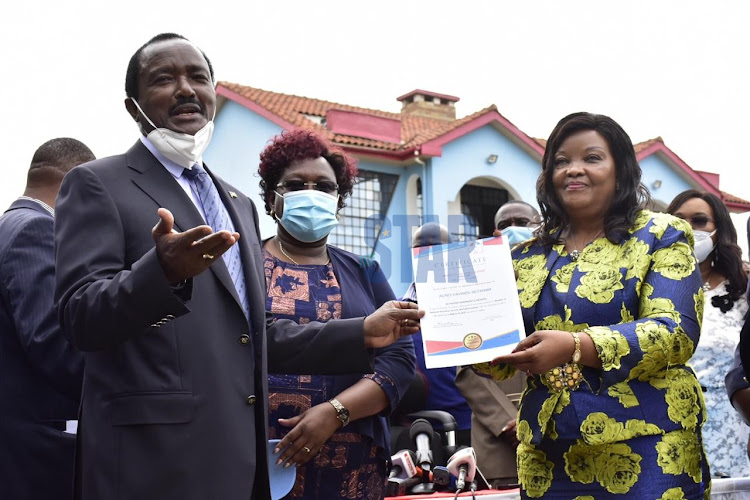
(370, 198)
(479, 204)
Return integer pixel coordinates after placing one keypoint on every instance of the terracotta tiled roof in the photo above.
(307, 113)
(645, 144)
(736, 200)
(415, 130)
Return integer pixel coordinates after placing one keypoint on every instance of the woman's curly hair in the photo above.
(297, 145)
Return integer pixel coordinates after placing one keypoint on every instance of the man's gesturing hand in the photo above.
(187, 254)
(390, 322)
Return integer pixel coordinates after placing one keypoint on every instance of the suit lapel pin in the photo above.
(232, 194)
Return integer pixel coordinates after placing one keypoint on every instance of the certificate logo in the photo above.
(473, 341)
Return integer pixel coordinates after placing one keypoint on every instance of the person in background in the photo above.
(738, 389)
(160, 281)
(494, 404)
(441, 391)
(337, 423)
(611, 298)
(738, 375)
(516, 220)
(724, 284)
(40, 372)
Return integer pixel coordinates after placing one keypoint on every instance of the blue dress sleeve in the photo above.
(664, 330)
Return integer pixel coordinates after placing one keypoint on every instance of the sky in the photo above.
(675, 69)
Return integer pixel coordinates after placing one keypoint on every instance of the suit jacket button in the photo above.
(251, 400)
(244, 338)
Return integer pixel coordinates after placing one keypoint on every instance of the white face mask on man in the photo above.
(184, 149)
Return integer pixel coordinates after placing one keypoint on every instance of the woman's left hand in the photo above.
(310, 431)
(540, 351)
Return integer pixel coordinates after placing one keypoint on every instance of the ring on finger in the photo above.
(307, 450)
(208, 256)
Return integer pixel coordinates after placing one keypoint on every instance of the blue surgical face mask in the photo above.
(517, 234)
(309, 215)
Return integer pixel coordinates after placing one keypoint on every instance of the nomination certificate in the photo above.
(468, 292)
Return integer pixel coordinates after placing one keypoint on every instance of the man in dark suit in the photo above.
(172, 316)
(40, 372)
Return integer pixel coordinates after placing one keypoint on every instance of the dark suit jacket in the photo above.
(40, 372)
(175, 391)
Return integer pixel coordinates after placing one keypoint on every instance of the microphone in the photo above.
(443, 478)
(463, 465)
(421, 433)
(397, 487)
(403, 465)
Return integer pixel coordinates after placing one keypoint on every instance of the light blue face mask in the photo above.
(517, 234)
(309, 215)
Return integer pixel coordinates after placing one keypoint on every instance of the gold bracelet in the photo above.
(567, 376)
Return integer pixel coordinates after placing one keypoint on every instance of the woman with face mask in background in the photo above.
(334, 426)
(724, 283)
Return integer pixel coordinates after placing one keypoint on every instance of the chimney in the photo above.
(429, 105)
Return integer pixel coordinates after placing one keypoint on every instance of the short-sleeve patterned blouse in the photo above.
(349, 465)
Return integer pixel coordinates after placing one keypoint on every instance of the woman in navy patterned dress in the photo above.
(337, 423)
(611, 299)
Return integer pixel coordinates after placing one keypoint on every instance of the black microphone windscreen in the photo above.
(420, 426)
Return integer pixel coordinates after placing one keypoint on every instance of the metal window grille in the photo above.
(370, 198)
(480, 204)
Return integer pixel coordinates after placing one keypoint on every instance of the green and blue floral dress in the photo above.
(633, 428)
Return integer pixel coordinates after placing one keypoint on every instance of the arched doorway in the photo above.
(478, 201)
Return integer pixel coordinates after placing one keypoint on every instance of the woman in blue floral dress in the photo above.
(724, 283)
(611, 298)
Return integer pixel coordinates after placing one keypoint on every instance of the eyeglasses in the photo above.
(513, 221)
(324, 186)
(698, 221)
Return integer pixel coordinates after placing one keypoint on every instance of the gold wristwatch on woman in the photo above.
(577, 351)
(341, 412)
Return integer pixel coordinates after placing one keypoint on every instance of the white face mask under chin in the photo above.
(184, 149)
(704, 244)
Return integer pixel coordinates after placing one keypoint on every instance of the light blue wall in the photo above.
(463, 160)
(239, 137)
(654, 167)
(466, 158)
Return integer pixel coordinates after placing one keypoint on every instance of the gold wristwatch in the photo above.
(341, 412)
(577, 351)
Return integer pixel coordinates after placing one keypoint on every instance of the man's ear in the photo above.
(131, 108)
